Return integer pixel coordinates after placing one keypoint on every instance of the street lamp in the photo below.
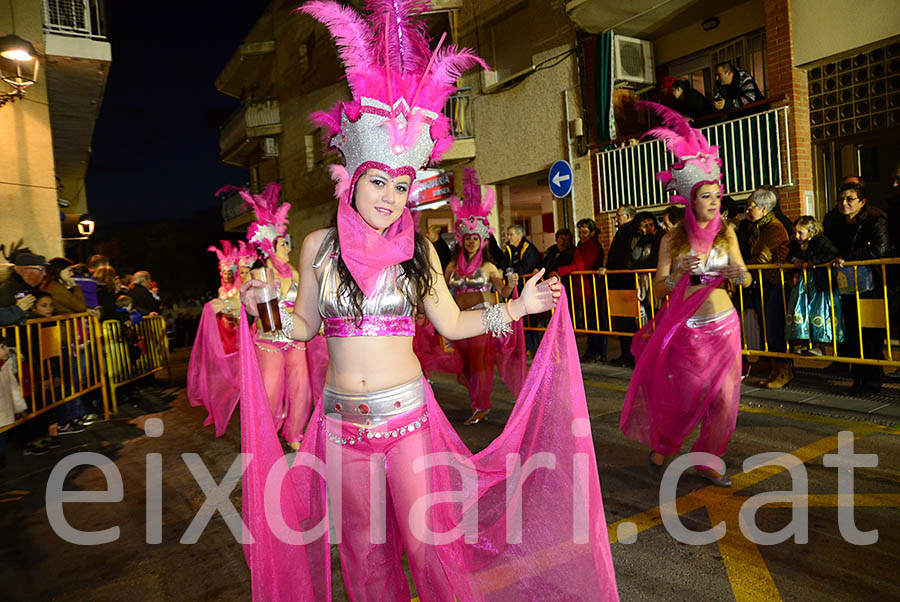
(86, 226)
(19, 66)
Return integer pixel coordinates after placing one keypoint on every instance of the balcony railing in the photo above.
(233, 205)
(754, 151)
(459, 110)
(77, 18)
(252, 119)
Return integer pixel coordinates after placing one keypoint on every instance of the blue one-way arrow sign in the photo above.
(561, 179)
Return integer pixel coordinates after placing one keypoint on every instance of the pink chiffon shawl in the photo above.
(212, 376)
(674, 382)
(564, 552)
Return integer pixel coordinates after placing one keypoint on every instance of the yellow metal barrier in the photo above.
(584, 302)
(57, 359)
(152, 344)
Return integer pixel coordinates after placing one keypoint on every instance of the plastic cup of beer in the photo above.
(267, 300)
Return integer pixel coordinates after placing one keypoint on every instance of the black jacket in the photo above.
(443, 251)
(144, 301)
(866, 238)
(554, 258)
(619, 257)
(524, 259)
(11, 289)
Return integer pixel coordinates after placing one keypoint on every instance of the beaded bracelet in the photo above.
(493, 321)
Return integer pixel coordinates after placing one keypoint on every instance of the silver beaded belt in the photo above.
(698, 321)
(378, 407)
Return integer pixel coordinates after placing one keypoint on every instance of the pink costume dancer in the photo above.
(281, 359)
(212, 377)
(472, 281)
(688, 358)
(382, 451)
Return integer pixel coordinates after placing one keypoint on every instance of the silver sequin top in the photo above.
(476, 282)
(715, 261)
(393, 289)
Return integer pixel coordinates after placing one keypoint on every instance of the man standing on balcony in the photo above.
(618, 259)
(735, 88)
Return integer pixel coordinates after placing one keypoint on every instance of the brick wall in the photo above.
(782, 78)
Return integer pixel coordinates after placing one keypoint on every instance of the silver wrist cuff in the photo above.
(493, 321)
(671, 282)
(739, 280)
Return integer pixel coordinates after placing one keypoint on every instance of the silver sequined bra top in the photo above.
(709, 271)
(476, 282)
(388, 312)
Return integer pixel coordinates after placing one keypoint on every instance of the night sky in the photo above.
(155, 152)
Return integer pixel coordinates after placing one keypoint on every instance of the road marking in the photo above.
(601, 385)
(747, 572)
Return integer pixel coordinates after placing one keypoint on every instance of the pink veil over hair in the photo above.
(564, 551)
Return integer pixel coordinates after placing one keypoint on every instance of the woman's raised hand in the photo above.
(539, 297)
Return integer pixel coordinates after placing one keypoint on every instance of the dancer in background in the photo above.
(379, 426)
(688, 358)
(282, 360)
(213, 369)
(473, 277)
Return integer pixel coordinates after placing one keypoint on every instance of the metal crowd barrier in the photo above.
(122, 368)
(593, 302)
(57, 359)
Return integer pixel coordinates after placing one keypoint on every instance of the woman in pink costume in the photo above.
(213, 370)
(390, 458)
(228, 301)
(281, 359)
(688, 368)
(472, 279)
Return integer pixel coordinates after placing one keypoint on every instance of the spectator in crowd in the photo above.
(440, 245)
(43, 306)
(81, 275)
(107, 289)
(68, 297)
(560, 254)
(690, 102)
(862, 236)
(893, 211)
(123, 284)
(767, 242)
(98, 261)
(16, 314)
(834, 219)
(520, 254)
(588, 256)
(809, 309)
(618, 259)
(12, 404)
(144, 301)
(644, 256)
(735, 88)
(672, 217)
(28, 273)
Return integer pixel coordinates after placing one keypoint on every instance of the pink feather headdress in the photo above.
(394, 122)
(270, 225)
(697, 163)
(472, 218)
(228, 258)
(246, 255)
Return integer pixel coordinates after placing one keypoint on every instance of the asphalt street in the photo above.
(818, 563)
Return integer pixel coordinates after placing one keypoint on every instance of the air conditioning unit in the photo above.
(634, 62)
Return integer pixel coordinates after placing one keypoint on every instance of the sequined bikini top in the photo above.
(476, 282)
(709, 271)
(388, 312)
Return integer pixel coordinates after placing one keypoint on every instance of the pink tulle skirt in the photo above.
(687, 374)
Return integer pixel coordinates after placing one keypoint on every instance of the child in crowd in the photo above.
(813, 305)
(43, 306)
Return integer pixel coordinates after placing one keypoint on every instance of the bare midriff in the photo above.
(467, 300)
(367, 364)
(717, 301)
